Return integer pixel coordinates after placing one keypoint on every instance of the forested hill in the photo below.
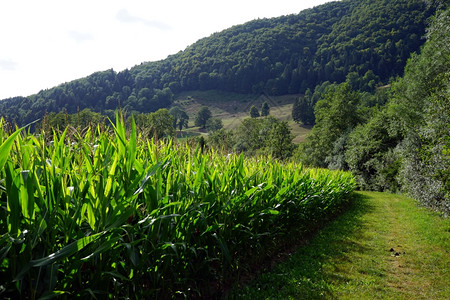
(278, 56)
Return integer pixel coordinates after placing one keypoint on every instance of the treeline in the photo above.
(159, 124)
(395, 139)
(256, 135)
(281, 55)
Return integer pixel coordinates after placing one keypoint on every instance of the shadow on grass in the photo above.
(311, 270)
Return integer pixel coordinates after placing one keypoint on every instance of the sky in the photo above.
(48, 42)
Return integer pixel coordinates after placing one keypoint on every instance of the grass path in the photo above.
(383, 247)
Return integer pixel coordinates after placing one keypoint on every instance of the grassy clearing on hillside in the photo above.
(232, 108)
(352, 257)
(299, 132)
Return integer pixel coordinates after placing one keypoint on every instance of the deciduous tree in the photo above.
(203, 115)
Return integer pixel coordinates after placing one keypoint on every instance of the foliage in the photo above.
(303, 110)
(104, 214)
(222, 140)
(264, 135)
(180, 118)
(161, 123)
(370, 154)
(254, 112)
(202, 116)
(421, 113)
(279, 141)
(213, 124)
(265, 109)
(336, 115)
(392, 140)
(80, 120)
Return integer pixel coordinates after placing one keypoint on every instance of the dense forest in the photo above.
(284, 55)
(395, 139)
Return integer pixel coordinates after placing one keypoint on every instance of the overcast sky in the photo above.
(48, 42)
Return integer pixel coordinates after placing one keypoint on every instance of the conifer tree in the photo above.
(265, 109)
(254, 113)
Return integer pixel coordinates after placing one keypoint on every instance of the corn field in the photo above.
(105, 214)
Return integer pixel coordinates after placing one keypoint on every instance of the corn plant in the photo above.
(112, 214)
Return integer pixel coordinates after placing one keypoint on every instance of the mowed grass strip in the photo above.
(383, 247)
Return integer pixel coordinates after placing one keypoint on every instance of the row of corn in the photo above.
(111, 214)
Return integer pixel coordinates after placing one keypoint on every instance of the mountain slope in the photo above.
(284, 55)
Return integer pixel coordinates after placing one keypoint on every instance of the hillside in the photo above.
(277, 56)
(396, 139)
(232, 108)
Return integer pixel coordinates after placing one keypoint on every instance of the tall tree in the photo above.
(303, 110)
(279, 141)
(265, 109)
(254, 113)
(336, 114)
(161, 123)
(183, 120)
(203, 115)
(214, 124)
(180, 117)
(420, 111)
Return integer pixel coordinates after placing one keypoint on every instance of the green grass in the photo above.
(351, 258)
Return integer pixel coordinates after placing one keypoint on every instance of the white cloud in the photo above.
(8, 65)
(79, 36)
(124, 16)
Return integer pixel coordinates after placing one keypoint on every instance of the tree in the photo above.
(221, 139)
(86, 118)
(303, 110)
(248, 137)
(161, 123)
(369, 154)
(175, 111)
(420, 111)
(162, 98)
(141, 121)
(180, 117)
(296, 111)
(265, 109)
(254, 113)
(183, 120)
(279, 141)
(336, 115)
(213, 124)
(252, 135)
(203, 115)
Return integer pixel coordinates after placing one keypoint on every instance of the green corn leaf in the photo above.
(111, 175)
(52, 295)
(65, 252)
(271, 212)
(13, 199)
(105, 246)
(131, 148)
(5, 148)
